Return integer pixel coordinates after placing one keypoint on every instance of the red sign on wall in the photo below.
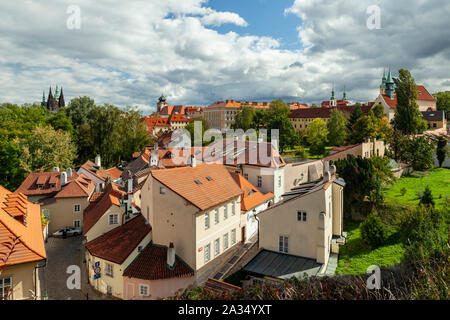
(200, 249)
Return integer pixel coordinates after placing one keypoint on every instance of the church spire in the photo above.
(332, 93)
(43, 98)
(61, 102)
(344, 96)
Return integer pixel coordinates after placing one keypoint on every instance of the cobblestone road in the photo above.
(61, 253)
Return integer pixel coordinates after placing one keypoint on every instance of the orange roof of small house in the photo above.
(251, 196)
(21, 238)
(422, 94)
(114, 173)
(151, 264)
(117, 244)
(77, 186)
(95, 170)
(110, 196)
(193, 184)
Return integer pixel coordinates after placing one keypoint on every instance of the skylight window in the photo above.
(197, 181)
(209, 178)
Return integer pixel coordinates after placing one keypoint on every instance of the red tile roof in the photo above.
(220, 286)
(176, 117)
(168, 110)
(110, 196)
(117, 244)
(77, 185)
(114, 173)
(21, 238)
(325, 112)
(96, 171)
(205, 194)
(151, 264)
(251, 196)
(422, 94)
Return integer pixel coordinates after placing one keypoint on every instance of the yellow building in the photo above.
(22, 250)
(197, 208)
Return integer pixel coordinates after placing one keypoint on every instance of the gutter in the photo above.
(35, 278)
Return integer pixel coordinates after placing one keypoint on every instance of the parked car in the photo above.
(67, 231)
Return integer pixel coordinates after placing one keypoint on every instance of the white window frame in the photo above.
(225, 241)
(75, 206)
(216, 247)
(216, 216)
(207, 253)
(162, 190)
(225, 211)
(109, 269)
(2, 286)
(259, 181)
(116, 219)
(207, 221)
(233, 236)
(74, 223)
(147, 288)
(109, 289)
(283, 244)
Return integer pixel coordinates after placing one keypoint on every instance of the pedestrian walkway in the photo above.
(332, 265)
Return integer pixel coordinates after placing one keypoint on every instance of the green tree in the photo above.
(79, 110)
(407, 118)
(427, 197)
(287, 135)
(337, 128)
(46, 148)
(105, 133)
(364, 127)
(260, 118)
(355, 115)
(443, 102)
(190, 128)
(245, 118)
(278, 107)
(442, 150)
(373, 230)
(11, 173)
(60, 121)
(378, 111)
(316, 135)
(419, 153)
(133, 134)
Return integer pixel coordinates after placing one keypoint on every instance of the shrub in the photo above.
(427, 197)
(403, 191)
(373, 230)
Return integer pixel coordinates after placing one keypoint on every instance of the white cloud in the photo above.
(127, 53)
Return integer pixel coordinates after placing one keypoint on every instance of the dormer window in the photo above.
(40, 186)
(52, 185)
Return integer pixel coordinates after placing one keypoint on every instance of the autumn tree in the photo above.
(46, 148)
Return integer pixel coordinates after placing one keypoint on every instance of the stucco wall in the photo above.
(62, 212)
(22, 280)
(295, 174)
(157, 288)
(116, 282)
(102, 225)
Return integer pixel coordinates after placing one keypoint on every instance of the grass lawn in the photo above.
(438, 180)
(355, 256)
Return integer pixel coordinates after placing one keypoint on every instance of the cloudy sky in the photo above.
(199, 51)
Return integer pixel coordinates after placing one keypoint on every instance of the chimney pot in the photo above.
(63, 178)
(69, 172)
(98, 161)
(171, 256)
(56, 169)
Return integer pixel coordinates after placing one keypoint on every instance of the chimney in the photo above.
(55, 169)
(333, 170)
(154, 158)
(171, 256)
(130, 185)
(193, 161)
(98, 161)
(69, 172)
(156, 146)
(63, 178)
(327, 166)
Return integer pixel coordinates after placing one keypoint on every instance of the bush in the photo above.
(403, 191)
(427, 197)
(373, 230)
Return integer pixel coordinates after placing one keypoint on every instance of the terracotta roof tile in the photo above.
(204, 194)
(110, 196)
(114, 173)
(117, 244)
(151, 264)
(251, 196)
(29, 186)
(220, 286)
(96, 171)
(21, 238)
